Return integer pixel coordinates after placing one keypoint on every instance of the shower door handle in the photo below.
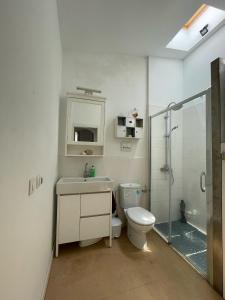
(201, 181)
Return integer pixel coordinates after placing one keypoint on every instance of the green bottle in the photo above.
(92, 171)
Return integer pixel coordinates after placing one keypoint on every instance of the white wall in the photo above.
(197, 70)
(29, 96)
(165, 81)
(165, 86)
(123, 81)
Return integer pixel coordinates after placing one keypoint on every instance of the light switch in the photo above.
(32, 185)
(39, 181)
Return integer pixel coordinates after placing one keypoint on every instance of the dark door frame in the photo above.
(218, 137)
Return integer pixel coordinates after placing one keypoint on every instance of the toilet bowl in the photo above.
(139, 220)
(139, 223)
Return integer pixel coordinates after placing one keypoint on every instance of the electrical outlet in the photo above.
(32, 185)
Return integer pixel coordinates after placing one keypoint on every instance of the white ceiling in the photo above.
(136, 27)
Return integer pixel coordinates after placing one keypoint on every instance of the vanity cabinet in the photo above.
(83, 216)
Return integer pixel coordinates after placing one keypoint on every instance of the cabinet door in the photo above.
(69, 218)
(85, 114)
(94, 227)
(121, 131)
(139, 132)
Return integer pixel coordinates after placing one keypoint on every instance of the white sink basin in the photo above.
(78, 185)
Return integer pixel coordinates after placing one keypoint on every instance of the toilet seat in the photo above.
(140, 216)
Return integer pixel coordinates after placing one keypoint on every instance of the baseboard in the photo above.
(47, 277)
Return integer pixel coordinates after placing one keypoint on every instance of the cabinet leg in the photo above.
(110, 241)
(56, 250)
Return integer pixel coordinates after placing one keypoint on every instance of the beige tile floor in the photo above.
(125, 273)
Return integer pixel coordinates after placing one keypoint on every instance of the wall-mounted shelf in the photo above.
(77, 150)
(129, 127)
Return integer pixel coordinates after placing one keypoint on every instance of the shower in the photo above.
(188, 137)
(177, 162)
(165, 168)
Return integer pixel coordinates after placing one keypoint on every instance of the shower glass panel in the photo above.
(178, 178)
(188, 197)
(159, 179)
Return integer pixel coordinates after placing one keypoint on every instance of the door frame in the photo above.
(218, 138)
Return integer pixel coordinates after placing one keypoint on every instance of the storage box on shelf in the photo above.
(129, 127)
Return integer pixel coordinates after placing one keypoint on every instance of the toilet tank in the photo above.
(130, 195)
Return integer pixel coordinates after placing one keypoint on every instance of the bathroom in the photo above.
(44, 58)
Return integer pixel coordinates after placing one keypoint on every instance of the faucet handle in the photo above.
(85, 175)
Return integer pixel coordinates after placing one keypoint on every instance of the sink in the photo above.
(78, 185)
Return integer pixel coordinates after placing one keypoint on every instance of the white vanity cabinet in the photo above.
(83, 216)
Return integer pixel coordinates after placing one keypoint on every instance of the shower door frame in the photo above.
(209, 198)
(218, 150)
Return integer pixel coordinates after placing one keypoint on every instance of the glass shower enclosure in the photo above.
(180, 177)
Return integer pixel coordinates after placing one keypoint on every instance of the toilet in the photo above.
(139, 220)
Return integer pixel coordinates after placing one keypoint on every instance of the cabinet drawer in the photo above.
(94, 227)
(95, 204)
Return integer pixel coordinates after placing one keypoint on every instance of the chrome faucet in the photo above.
(86, 172)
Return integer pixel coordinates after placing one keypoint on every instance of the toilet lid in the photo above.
(140, 216)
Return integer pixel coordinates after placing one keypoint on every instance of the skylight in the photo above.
(204, 20)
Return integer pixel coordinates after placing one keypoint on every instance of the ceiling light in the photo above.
(204, 20)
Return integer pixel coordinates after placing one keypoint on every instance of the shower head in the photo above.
(170, 104)
(175, 106)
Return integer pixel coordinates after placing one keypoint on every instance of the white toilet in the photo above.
(140, 221)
